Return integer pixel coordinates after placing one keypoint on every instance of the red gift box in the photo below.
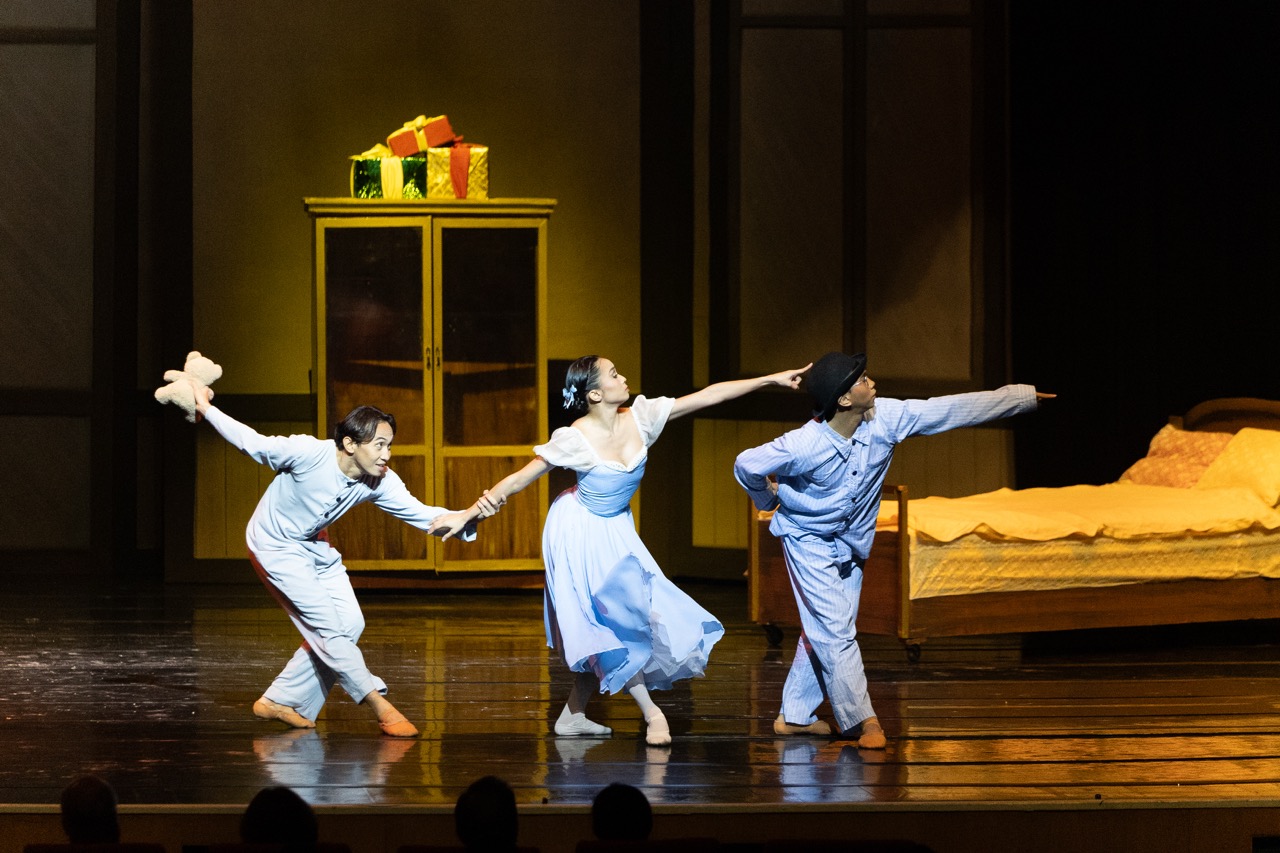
(420, 134)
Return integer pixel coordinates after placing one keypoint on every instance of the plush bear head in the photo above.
(198, 372)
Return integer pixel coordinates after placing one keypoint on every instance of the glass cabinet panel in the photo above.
(434, 312)
(373, 329)
(489, 346)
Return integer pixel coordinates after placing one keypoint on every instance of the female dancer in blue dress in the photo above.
(616, 619)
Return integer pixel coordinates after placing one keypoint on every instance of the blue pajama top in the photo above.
(310, 492)
(829, 486)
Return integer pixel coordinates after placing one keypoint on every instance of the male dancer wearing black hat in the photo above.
(824, 479)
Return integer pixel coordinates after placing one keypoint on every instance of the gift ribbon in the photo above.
(460, 168)
(392, 177)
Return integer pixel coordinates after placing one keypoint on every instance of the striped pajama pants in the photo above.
(311, 584)
(828, 662)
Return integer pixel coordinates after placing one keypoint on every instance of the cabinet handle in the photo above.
(427, 359)
(437, 358)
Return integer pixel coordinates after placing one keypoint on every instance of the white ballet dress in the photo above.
(608, 607)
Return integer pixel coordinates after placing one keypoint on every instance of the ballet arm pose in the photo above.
(602, 396)
(447, 525)
(402, 509)
(722, 392)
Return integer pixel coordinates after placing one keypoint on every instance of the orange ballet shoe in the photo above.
(398, 726)
(872, 736)
(265, 709)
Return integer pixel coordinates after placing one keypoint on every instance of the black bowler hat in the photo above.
(830, 377)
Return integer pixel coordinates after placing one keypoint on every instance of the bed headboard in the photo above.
(1229, 414)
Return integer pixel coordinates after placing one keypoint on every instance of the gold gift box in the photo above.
(440, 171)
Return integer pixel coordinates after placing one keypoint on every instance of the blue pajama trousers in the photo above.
(311, 584)
(828, 661)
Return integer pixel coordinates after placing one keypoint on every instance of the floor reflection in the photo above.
(335, 770)
(572, 750)
(152, 687)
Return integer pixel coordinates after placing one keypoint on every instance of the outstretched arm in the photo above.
(940, 414)
(494, 497)
(275, 451)
(724, 391)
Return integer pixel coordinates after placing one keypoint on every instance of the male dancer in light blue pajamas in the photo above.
(824, 479)
(318, 481)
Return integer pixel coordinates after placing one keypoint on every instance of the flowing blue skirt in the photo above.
(610, 610)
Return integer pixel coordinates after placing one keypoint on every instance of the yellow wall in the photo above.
(285, 90)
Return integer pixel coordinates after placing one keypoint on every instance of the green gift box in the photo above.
(377, 173)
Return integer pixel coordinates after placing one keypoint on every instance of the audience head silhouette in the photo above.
(279, 816)
(621, 813)
(89, 812)
(485, 817)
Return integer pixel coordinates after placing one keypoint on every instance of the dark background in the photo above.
(1145, 227)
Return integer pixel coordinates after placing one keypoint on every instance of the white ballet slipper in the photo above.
(570, 725)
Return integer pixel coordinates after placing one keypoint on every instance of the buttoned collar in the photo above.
(843, 446)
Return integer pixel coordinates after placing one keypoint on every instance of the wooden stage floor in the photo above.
(150, 686)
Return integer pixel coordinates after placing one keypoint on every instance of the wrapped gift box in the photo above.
(420, 134)
(377, 174)
(459, 171)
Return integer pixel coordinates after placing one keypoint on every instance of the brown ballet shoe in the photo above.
(398, 726)
(818, 728)
(265, 709)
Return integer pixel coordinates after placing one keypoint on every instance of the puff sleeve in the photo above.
(567, 448)
(651, 416)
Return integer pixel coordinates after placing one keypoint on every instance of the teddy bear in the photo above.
(199, 371)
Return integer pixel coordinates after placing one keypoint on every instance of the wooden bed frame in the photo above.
(886, 609)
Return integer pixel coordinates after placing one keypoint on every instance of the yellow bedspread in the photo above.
(972, 564)
(1114, 511)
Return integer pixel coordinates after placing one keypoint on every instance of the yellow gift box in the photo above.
(459, 171)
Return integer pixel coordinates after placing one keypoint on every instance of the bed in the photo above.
(1190, 533)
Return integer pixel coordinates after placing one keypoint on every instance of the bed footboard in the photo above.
(884, 609)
